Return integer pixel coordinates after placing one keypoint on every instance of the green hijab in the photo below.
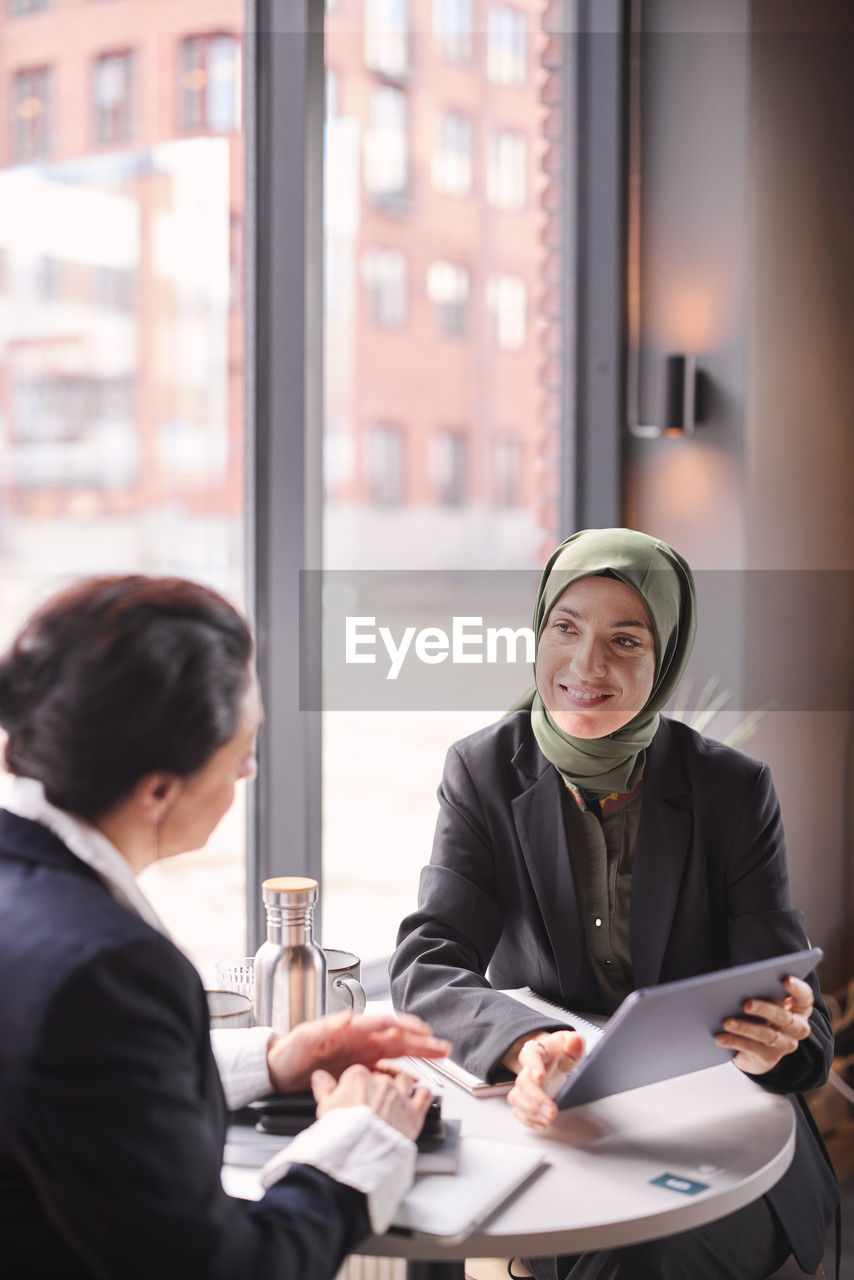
(665, 583)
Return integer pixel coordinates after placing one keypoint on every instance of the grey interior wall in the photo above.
(694, 199)
(799, 455)
(748, 260)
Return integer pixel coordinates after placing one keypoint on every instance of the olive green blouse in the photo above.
(601, 835)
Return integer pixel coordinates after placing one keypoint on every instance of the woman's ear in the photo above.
(154, 795)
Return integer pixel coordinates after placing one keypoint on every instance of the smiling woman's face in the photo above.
(596, 658)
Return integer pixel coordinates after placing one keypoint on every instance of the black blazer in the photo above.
(709, 890)
(112, 1117)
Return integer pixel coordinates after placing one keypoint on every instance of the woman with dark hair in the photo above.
(586, 846)
(131, 711)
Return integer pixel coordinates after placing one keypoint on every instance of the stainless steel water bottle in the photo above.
(290, 967)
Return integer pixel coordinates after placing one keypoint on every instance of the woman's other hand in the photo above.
(761, 1045)
(393, 1095)
(541, 1062)
(342, 1040)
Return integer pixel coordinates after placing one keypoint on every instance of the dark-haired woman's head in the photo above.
(118, 679)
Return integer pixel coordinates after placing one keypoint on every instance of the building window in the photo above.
(384, 274)
(21, 8)
(452, 160)
(113, 95)
(386, 147)
(387, 37)
(385, 465)
(49, 278)
(506, 46)
(507, 472)
(506, 170)
(452, 29)
(450, 471)
(33, 135)
(448, 288)
(210, 83)
(115, 288)
(506, 300)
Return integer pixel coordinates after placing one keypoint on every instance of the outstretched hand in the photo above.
(761, 1045)
(542, 1064)
(342, 1040)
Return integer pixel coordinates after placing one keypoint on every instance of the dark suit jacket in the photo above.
(112, 1117)
(709, 890)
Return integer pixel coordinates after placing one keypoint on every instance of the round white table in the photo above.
(599, 1190)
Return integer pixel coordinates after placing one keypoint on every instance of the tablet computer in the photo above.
(668, 1030)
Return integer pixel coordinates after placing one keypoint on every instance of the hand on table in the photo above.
(761, 1045)
(542, 1063)
(343, 1040)
(391, 1094)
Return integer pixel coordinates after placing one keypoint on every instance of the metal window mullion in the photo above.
(592, 490)
(284, 398)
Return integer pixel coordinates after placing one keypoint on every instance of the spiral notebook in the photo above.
(590, 1027)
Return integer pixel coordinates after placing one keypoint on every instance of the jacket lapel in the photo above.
(664, 838)
(540, 827)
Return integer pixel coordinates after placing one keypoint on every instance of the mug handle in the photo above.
(357, 992)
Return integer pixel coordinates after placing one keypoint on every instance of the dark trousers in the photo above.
(747, 1245)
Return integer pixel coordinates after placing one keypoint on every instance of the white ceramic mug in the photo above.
(229, 1009)
(343, 988)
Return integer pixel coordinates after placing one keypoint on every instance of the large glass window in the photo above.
(441, 443)
(121, 356)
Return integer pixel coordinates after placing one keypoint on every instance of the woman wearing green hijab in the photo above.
(587, 845)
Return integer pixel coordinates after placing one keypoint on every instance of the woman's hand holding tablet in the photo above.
(771, 1030)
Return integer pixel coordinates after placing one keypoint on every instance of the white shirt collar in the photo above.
(27, 799)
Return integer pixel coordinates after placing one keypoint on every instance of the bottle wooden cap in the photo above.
(289, 884)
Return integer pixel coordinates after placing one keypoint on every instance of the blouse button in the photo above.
(597, 922)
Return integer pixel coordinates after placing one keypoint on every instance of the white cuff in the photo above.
(241, 1057)
(354, 1146)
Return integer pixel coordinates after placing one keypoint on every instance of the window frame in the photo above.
(453, 126)
(28, 155)
(29, 9)
(130, 58)
(284, 91)
(206, 40)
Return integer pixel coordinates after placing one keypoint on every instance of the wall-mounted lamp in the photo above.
(679, 399)
(680, 396)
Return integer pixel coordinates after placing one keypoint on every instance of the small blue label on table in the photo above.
(684, 1186)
